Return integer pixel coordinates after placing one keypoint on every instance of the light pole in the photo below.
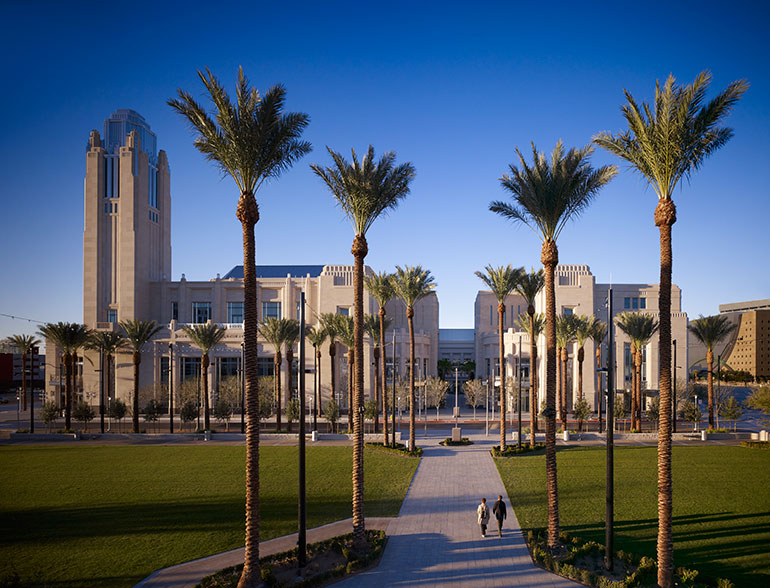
(393, 380)
(171, 388)
(301, 511)
(610, 473)
(32, 393)
(457, 408)
(519, 434)
(315, 388)
(673, 405)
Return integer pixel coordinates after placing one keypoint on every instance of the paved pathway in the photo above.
(435, 540)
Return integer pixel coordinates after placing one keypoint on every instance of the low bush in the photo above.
(756, 444)
(464, 441)
(400, 449)
(511, 450)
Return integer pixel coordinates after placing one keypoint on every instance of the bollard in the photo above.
(565, 435)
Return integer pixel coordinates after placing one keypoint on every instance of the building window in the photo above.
(229, 367)
(628, 363)
(566, 311)
(265, 366)
(634, 303)
(626, 303)
(271, 310)
(235, 312)
(298, 310)
(112, 316)
(164, 370)
(343, 310)
(201, 312)
(642, 303)
(191, 367)
(174, 311)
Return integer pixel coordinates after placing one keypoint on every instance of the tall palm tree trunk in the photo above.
(278, 361)
(500, 326)
(384, 378)
(67, 391)
(598, 378)
(332, 357)
(550, 258)
(248, 214)
(351, 367)
(534, 401)
(205, 377)
(581, 357)
(318, 395)
(564, 388)
(410, 318)
(376, 353)
(665, 217)
(289, 373)
(710, 361)
(639, 389)
(359, 252)
(135, 417)
(633, 388)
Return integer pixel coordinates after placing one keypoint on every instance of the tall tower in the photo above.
(127, 234)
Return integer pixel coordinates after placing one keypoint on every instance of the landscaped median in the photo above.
(721, 519)
(108, 516)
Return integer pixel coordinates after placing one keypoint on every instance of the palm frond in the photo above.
(412, 283)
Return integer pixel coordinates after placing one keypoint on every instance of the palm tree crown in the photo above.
(108, 342)
(380, 285)
(366, 189)
(205, 335)
(548, 193)
(501, 280)
(639, 326)
(538, 323)
(138, 332)
(25, 343)
(250, 140)
(669, 140)
(529, 286)
(710, 330)
(412, 283)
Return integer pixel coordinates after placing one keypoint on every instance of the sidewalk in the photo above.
(435, 540)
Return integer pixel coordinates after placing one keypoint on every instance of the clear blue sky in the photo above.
(453, 88)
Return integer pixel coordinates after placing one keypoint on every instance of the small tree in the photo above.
(692, 413)
(189, 412)
(435, 393)
(370, 410)
(152, 411)
(83, 413)
(760, 400)
(581, 411)
(292, 412)
(474, 392)
(230, 390)
(332, 413)
(118, 410)
(49, 413)
(731, 410)
(619, 411)
(653, 411)
(266, 388)
(223, 412)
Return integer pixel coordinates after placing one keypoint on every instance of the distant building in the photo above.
(578, 293)
(749, 348)
(127, 275)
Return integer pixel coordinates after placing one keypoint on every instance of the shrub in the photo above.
(223, 412)
(152, 411)
(332, 413)
(83, 413)
(400, 448)
(49, 413)
(292, 412)
(511, 450)
(118, 411)
(756, 444)
(189, 412)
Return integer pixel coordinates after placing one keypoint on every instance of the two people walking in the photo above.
(500, 512)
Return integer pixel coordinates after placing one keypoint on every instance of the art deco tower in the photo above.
(127, 234)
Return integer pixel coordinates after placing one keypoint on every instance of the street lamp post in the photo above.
(315, 389)
(610, 471)
(457, 408)
(171, 388)
(673, 406)
(393, 381)
(302, 510)
(519, 433)
(32, 393)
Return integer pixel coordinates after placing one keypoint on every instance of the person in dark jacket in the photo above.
(500, 513)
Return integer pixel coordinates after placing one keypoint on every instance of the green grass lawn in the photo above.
(721, 504)
(109, 516)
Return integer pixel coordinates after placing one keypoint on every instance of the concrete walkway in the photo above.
(435, 540)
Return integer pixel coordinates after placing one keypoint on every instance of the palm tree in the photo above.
(205, 336)
(411, 284)
(597, 333)
(529, 287)
(566, 328)
(274, 332)
(347, 333)
(584, 328)
(291, 335)
(710, 330)
(108, 343)
(25, 344)
(547, 194)
(640, 327)
(665, 143)
(364, 190)
(372, 326)
(502, 281)
(252, 140)
(329, 325)
(138, 332)
(317, 335)
(533, 325)
(69, 337)
(379, 285)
